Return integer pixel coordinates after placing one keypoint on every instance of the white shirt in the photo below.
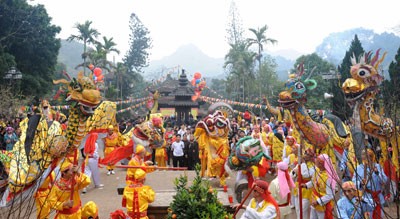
(269, 212)
(275, 192)
(181, 132)
(177, 148)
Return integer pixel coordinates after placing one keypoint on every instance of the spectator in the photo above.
(177, 151)
(182, 130)
(192, 152)
(247, 116)
(272, 122)
(10, 138)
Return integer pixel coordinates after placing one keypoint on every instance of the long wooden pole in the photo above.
(245, 198)
(299, 179)
(151, 167)
(71, 197)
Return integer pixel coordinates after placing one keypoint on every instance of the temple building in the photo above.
(176, 98)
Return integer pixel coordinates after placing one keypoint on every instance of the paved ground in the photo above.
(108, 199)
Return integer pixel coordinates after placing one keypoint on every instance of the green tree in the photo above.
(87, 35)
(260, 40)
(234, 30)
(196, 201)
(340, 107)
(239, 63)
(391, 89)
(140, 42)
(28, 41)
(315, 98)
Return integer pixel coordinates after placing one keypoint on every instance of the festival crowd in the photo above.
(328, 190)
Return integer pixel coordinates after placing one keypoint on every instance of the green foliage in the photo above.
(140, 41)
(390, 88)
(87, 35)
(340, 107)
(234, 28)
(28, 38)
(197, 201)
(315, 98)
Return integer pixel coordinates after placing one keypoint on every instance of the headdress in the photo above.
(349, 185)
(65, 165)
(330, 169)
(139, 149)
(90, 210)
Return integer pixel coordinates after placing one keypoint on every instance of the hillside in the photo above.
(70, 54)
(189, 57)
(194, 60)
(334, 47)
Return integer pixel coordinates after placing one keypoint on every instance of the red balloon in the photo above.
(97, 71)
(91, 67)
(100, 77)
(197, 75)
(193, 82)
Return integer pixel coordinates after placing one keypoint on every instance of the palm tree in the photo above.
(109, 45)
(240, 61)
(86, 35)
(259, 40)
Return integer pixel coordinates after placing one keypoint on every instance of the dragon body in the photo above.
(360, 92)
(326, 137)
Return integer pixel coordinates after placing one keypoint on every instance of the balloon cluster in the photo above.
(199, 85)
(98, 77)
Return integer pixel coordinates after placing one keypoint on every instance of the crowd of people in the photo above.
(361, 192)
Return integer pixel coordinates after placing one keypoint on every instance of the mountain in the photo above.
(71, 55)
(289, 54)
(190, 58)
(334, 47)
(283, 66)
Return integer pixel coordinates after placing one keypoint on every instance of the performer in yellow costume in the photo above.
(111, 142)
(138, 160)
(161, 152)
(90, 211)
(71, 181)
(277, 142)
(42, 194)
(137, 196)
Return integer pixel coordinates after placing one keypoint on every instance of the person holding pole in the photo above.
(64, 196)
(323, 185)
(353, 205)
(138, 160)
(307, 169)
(370, 179)
(137, 196)
(262, 205)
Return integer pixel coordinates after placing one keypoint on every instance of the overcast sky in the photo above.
(296, 24)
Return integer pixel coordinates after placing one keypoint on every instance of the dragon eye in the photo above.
(220, 124)
(77, 87)
(299, 85)
(362, 72)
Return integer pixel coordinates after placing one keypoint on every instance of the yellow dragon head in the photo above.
(365, 77)
(84, 92)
